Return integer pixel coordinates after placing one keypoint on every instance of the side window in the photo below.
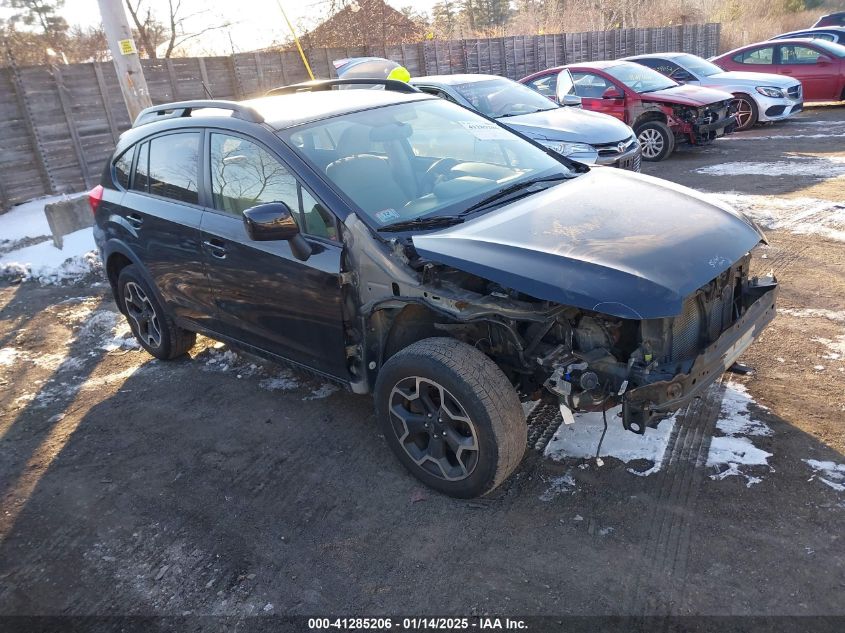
(662, 66)
(318, 221)
(243, 175)
(141, 181)
(756, 56)
(590, 86)
(546, 85)
(794, 54)
(174, 166)
(123, 167)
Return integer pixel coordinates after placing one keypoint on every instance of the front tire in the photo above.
(451, 416)
(656, 139)
(746, 112)
(152, 326)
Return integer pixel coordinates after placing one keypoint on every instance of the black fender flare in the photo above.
(115, 246)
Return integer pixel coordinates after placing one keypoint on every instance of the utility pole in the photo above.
(130, 75)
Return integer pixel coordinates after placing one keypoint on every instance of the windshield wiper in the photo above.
(507, 114)
(432, 222)
(510, 189)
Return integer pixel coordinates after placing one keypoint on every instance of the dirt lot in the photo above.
(214, 485)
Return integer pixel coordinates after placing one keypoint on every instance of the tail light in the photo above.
(95, 197)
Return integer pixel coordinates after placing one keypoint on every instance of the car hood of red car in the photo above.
(687, 95)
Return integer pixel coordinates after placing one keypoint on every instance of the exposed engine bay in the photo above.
(588, 360)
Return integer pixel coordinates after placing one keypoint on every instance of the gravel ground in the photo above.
(218, 485)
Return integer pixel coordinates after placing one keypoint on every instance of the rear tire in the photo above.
(746, 112)
(451, 416)
(152, 326)
(656, 139)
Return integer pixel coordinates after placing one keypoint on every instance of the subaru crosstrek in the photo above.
(405, 246)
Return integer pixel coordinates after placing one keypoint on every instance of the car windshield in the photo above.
(698, 66)
(420, 159)
(837, 50)
(640, 78)
(502, 97)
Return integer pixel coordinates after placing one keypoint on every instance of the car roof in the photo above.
(653, 55)
(451, 80)
(815, 29)
(284, 111)
(602, 65)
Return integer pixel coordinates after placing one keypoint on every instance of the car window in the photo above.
(590, 86)
(546, 86)
(420, 158)
(318, 221)
(502, 97)
(244, 175)
(141, 180)
(174, 167)
(794, 54)
(756, 56)
(123, 168)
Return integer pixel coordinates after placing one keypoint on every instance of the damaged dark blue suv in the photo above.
(404, 246)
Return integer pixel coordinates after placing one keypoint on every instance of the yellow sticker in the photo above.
(127, 47)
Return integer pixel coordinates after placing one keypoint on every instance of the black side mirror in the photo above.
(274, 221)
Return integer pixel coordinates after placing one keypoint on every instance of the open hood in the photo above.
(634, 250)
(573, 125)
(687, 95)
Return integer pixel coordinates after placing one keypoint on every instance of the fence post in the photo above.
(101, 83)
(259, 70)
(35, 140)
(171, 75)
(71, 126)
(204, 76)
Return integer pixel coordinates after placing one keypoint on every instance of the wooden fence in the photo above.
(59, 124)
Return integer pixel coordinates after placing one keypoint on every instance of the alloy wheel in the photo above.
(744, 111)
(433, 428)
(141, 312)
(652, 142)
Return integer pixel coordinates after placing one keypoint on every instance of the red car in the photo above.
(818, 64)
(661, 111)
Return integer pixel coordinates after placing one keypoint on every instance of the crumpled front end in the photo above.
(672, 360)
(704, 124)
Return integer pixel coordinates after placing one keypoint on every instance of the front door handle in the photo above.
(216, 248)
(135, 220)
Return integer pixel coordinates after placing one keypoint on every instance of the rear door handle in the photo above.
(216, 248)
(135, 220)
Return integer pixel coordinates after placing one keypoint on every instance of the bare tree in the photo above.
(173, 30)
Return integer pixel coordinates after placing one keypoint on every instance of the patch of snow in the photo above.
(47, 264)
(282, 382)
(581, 439)
(836, 348)
(559, 485)
(829, 473)
(733, 449)
(838, 316)
(605, 531)
(27, 220)
(804, 216)
(735, 418)
(323, 391)
(8, 356)
(777, 137)
(820, 167)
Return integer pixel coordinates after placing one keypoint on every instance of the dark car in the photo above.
(404, 246)
(660, 110)
(835, 34)
(831, 19)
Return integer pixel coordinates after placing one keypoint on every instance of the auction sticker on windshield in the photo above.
(387, 215)
(484, 131)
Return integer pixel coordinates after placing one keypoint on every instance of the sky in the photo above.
(254, 23)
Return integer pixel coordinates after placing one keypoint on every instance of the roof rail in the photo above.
(327, 84)
(184, 109)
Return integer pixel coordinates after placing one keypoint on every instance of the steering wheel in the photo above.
(439, 170)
